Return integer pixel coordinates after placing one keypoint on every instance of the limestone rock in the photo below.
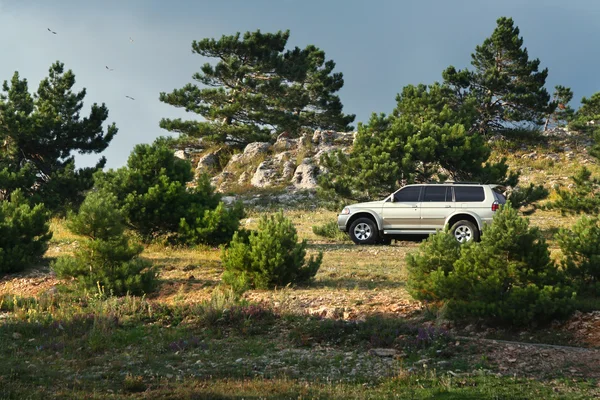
(181, 154)
(263, 177)
(305, 176)
(289, 167)
(383, 352)
(244, 178)
(552, 156)
(208, 162)
(254, 149)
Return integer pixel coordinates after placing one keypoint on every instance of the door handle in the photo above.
(416, 205)
(448, 206)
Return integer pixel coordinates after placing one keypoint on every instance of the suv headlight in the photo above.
(345, 211)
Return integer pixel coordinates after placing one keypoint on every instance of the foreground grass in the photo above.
(423, 387)
(192, 340)
(93, 346)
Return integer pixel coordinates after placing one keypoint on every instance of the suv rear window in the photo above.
(437, 194)
(469, 193)
(408, 194)
(499, 196)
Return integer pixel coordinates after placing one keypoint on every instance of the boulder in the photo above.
(289, 167)
(552, 156)
(264, 175)
(208, 162)
(305, 176)
(181, 154)
(285, 142)
(244, 178)
(254, 149)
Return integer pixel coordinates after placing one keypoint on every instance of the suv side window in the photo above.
(437, 194)
(408, 194)
(469, 193)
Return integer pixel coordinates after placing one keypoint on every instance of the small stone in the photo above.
(383, 352)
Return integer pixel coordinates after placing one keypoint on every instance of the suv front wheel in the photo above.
(465, 231)
(364, 231)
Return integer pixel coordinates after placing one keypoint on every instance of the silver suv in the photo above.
(423, 209)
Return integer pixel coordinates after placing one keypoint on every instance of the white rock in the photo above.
(264, 175)
(305, 176)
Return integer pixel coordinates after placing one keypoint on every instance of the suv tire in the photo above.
(364, 231)
(465, 231)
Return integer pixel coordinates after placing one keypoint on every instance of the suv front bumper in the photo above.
(343, 222)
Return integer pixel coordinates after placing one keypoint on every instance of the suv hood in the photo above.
(367, 204)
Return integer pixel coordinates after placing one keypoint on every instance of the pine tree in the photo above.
(506, 86)
(39, 134)
(106, 258)
(268, 257)
(258, 89)
(584, 197)
(424, 139)
(152, 192)
(586, 120)
(563, 113)
(24, 233)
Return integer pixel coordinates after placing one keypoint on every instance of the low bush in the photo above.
(330, 230)
(584, 197)
(106, 259)
(507, 278)
(24, 233)
(268, 257)
(581, 254)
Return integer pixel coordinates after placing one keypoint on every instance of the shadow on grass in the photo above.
(398, 241)
(356, 283)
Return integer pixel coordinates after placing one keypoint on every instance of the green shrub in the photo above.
(581, 253)
(330, 230)
(525, 196)
(507, 278)
(154, 193)
(436, 256)
(268, 257)
(583, 198)
(24, 233)
(106, 258)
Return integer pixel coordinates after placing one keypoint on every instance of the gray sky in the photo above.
(380, 46)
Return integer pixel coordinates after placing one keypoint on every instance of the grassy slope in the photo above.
(180, 344)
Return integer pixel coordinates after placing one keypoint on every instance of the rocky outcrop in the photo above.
(289, 162)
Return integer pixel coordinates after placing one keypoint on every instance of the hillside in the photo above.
(354, 326)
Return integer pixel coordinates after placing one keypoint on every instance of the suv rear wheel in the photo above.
(465, 231)
(364, 231)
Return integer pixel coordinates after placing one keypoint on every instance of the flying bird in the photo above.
(110, 69)
(129, 97)
(51, 31)
(130, 39)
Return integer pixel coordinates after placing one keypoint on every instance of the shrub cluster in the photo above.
(156, 198)
(508, 277)
(584, 197)
(24, 233)
(581, 254)
(106, 258)
(268, 257)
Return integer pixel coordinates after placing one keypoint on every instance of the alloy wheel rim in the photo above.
(362, 231)
(463, 234)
